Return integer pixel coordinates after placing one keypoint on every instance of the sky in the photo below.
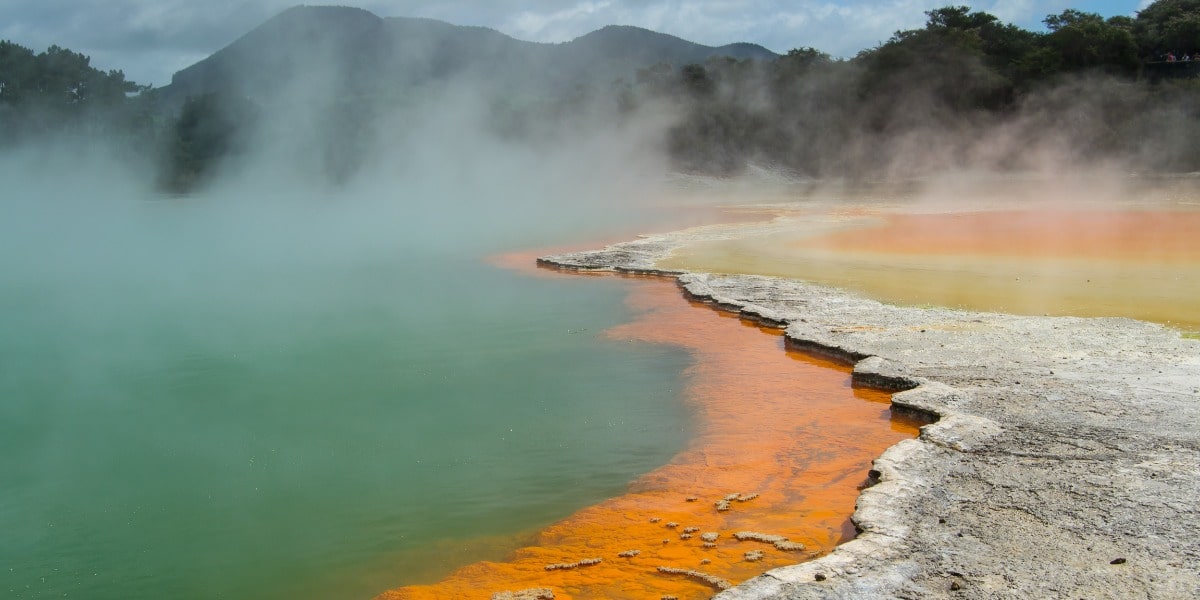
(151, 39)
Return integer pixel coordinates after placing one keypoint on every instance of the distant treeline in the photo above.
(964, 91)
(59, 92)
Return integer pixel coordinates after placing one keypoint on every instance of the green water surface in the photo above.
(296, 402)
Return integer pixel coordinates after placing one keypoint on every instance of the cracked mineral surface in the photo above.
(1065, 462)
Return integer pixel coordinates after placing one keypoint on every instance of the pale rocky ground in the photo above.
(1065, 462)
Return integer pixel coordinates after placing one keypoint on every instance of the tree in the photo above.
(799, 61)
(958, 17)
(945, 63)
(1087, 41)
(1168, 25)
(657, 78)
(58, 90)
(210, 128)
(696, 81)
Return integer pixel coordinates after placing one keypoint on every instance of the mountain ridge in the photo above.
(357, 50)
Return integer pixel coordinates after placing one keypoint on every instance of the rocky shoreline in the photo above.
(1064, 462)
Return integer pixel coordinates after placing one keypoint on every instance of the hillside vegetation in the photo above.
(965, 91)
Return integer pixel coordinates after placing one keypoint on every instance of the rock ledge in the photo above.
(1064, 461)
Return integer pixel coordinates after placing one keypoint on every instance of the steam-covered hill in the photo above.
(321, 90)
(356, 52)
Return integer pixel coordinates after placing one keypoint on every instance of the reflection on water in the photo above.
(779, 424)
(1139, 260)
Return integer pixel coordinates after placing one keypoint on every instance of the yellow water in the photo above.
(1083, 261)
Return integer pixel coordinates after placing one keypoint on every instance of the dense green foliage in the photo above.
(1168, 26)
(57, 78)
(59, 91)
(965, 91)
(210, 128)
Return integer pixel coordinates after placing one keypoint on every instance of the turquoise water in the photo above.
(205, 398)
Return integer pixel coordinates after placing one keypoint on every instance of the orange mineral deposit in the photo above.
(782, 448)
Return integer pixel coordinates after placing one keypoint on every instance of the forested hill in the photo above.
(361, 53)
(60, 89)
(966, 91)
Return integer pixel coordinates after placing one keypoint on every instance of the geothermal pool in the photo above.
(253, 395)
(299, 401)
(782, 436)
(1135, 256)
(315, 446)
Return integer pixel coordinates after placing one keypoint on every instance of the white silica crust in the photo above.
(1064, 462)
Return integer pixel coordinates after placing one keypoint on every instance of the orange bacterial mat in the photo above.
(782, 447)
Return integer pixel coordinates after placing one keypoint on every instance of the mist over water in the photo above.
(280, 386)
(303, 379)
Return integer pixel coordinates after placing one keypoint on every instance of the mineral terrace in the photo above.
(1065, 461)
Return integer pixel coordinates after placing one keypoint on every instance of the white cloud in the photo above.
(539, 26)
